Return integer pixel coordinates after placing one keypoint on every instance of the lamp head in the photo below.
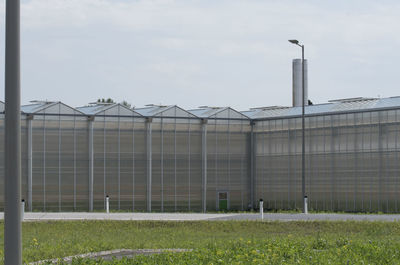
(294, 42)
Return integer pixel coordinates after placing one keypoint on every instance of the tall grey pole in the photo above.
(303, 154)
(12, 187)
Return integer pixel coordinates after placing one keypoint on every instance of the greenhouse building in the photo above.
(168, 159)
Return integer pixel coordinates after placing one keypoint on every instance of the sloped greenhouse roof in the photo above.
(108, 109)
(48, 108)
(333, 106)
(164, 111)
(218, 112)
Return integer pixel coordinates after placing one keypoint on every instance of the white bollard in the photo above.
(305, 205)
(22, 209)
(107, 204)
(262, 209)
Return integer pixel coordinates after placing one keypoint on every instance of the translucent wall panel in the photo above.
(140, 166)
(81, 165)
(157, 141)
(119, 147)
(169, 176)
(182, 166)
(212, 165)
(59, 163)
(126, 164)
(176, 162)
(194, 167)
(239, 173)
(67, 168)
(112, 170)
(2, 162)
(51, 164)
(351, 162)
(99, 165)
(228, 163)
(24, 159)
(38, 158)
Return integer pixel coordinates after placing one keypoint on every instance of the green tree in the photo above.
(110, 101)
(126, 104)
(102, 100)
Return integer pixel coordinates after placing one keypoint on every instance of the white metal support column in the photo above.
(90, 121)
(260, 191)
(243, 176)
(44, 162)
(355, 162)
(216, 164)
(229, 159)
(74, 163)
(252, 164)
(29, 119)
(289, 133)
(175, 182)
(149, 160)
(332, 164)
(59, 160)
(162, 165)
(189, 180)
(133, 164)
(397, 158)
(204, 162)
(119, 161)
(104, 162)
(380, 154)
(309, 180)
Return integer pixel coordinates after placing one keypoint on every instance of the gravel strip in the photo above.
(110, 254)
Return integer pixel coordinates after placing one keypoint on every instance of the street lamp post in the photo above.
(303, 160)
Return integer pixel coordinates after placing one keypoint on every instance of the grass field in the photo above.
(218, 242)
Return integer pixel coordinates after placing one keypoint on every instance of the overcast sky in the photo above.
(205, 52)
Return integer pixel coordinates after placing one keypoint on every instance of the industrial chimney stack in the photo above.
(297, 83)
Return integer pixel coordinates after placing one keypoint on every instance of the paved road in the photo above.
(38, 216)
(209, 216)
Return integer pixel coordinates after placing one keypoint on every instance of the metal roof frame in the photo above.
(162, 109)
(217, 111)
(44, 106)
(106, 107)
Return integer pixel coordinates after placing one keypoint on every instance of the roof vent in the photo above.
(42, 101)
(210, 107)
(156, 105)
(344, 100)
(269, 108)
(101, 103)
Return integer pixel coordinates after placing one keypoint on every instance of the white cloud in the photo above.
(140, 49)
